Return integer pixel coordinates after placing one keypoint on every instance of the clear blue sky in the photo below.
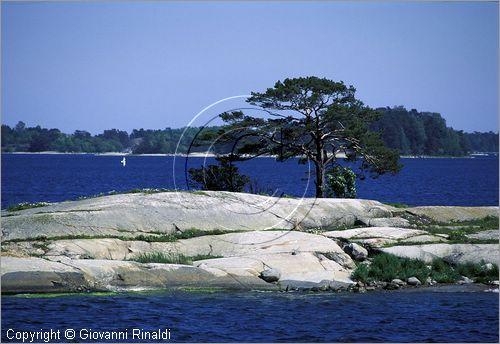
(125, 65)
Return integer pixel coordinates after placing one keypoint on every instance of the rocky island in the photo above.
(154, 240)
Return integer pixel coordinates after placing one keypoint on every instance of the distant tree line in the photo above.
(410, 132)
(425, 133)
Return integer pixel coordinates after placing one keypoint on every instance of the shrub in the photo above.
(27, 205)
(222, 177)
(169, 258)
(479, 272)
(386, 267)
(341, 182)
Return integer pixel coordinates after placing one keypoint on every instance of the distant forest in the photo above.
(410, 132)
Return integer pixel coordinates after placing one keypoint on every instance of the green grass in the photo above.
(386, 267)
(466, 227)
(170, 258)
(397, 205)
(455, 240)
(154, 237)
(27, 205)
(457, 231)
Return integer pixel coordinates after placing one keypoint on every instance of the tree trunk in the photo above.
(320, 180)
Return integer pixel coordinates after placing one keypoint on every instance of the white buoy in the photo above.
(124, 161)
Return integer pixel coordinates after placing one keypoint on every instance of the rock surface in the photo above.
(251, 257)
(452, 253)
(452, 213)
(226, 245)
(485, 235)
(270, 275)
(357, 252)
(413, 281)
(168, 212)
(375, 232)
(36, 275)
(304, 270)
(386, 222)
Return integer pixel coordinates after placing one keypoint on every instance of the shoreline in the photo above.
(438, 288)
(212, 155)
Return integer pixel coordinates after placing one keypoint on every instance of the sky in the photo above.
(101, 65)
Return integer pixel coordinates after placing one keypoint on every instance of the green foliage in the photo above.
(170, 258)
(362, 273)
(457, 231)
(426, 133)
(479, 272)
(153, 237)
(27, 205)
(398, 205)
(409, 132)
(341, 182)
(222, 177)
(443, 272)
(459, 236)
(164, 258)
(315, 119)
(386, 267)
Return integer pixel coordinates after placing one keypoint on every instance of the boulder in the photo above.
(465, 280)
(448, 214)
(128, 215)
(487, 266)
(357, 252)
(413, 281)
(270, 275)
(398, 282)
(452, 253)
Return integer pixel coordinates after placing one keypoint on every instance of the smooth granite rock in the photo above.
(452, 253)
(226, 245)
(128, 215)
(357, 252)
(485, 235)
(35, 275)
(393, 233)
(270, 275)
(448, 214)
(386, 222)
(297, 271)
(413, 281)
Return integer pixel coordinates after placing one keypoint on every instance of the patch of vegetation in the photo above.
(466, 227)
(458, 231)
(397, 205)
(199, 192)
(454, 240)
(27, 205)
(479, 272)
(153, 237)
(386, 267)
(195, 232)
(170, 258)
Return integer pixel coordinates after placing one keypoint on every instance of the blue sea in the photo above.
(263, 317)
(53, 178)
(381, 316)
